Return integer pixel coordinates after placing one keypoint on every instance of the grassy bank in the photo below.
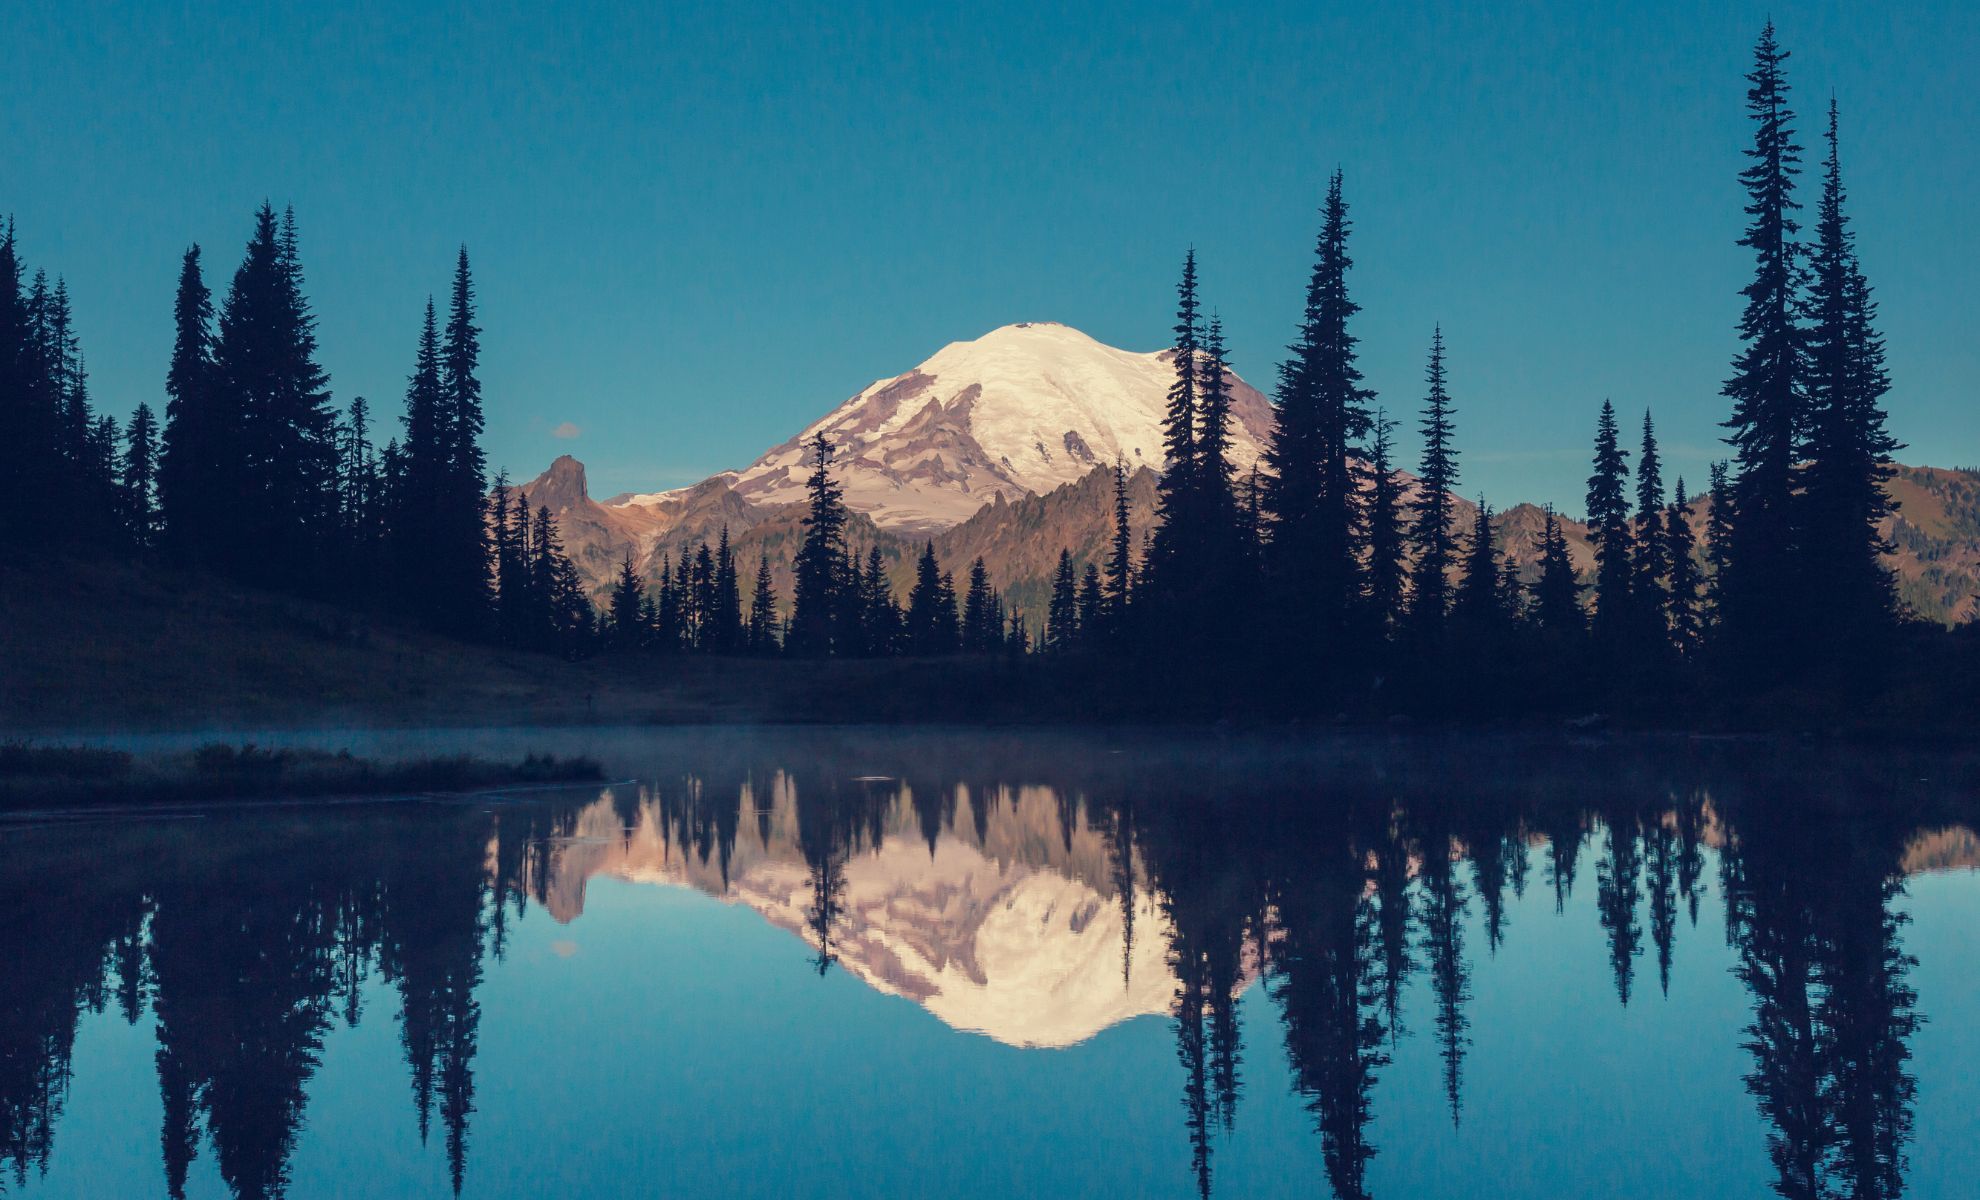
(35, 775)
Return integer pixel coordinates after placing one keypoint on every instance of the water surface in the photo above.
(826, 963)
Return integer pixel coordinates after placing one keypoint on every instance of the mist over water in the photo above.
(852, 963)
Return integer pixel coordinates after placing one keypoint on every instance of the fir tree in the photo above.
(1718, 537)
(1686, 625)
(1386, 567)
(1216, 501)
(460, 529)
(1062, 617)
(1431, 533)
(1177, 494)
(265, 363)
(196, 467)
(1477, 600)
(1120, 564)
(1608, 529)
(1312, 499)
(763, 610)
(628, 597)
(880, 617)
(1650, 562)
(416, 503)
(1759, 595)
(1846, 450)
(931, 616)
(1556, 594)
(1512, 594)
(981, 630)
(139, 478)
(1092, 605)
(817, 602)
(725, 618)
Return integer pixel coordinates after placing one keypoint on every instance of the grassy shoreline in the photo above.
(33, 775)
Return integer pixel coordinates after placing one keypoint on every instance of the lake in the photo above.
(795, 963)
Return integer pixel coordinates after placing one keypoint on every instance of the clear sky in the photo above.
(695, 227)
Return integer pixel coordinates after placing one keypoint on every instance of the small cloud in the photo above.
(563, 949)
(566, 431)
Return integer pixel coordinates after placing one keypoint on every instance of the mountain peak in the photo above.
(560, 487)
(1018, 411)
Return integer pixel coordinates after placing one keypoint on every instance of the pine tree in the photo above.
(1718, 539)
(980, 628)
(816, 602)
(415, 518)
(359, 488)
(1556, 594)
(1608, 529)
(701, 591)
(1760, 595)
(197, 469)
(1477, 600)
(1512, 594)
(1686, 625)
(138, 478)
(460, 527)
(1850, 594)
(1432, 534)
(763, 610)
(931, 615)
(628, 598)
(27, 414)
(725, 619)
(1092, 606)
(1177, 505)
(1215, 472)
(1650, 561)
(1312, 499)
(265, 362)
(1119, 591)
(1062, 617)
(1386, 566)
(880, 617)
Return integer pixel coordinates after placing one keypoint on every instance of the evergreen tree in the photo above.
(265, 363)
(197, 468)
(1686, 625)
(817, 603)
(1850, 595)
(931, 615)
(882, 609)
(1556, 594)
(1386, 566)
(27, 417)
(701, 599)
(1650, 564)
(1718, 538)
(1062, 617)
(1312, 499)
(1512, 593)
(1477, 600)
(1431, 534)
(1120, 564)
(981, 630)
(628, 597)
(1092, 605)
(1217, 504)
(1608, 528)
(460, 526)
(763, 610)
(139, 478)
(1177, 506)
(360, 490)
(725, 618)
(1760, 595)
(416, 503)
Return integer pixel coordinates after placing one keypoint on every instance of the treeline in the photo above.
(255, 478)
(1327, 566)
(1318, 576)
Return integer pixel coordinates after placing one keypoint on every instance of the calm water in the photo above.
(853, 964)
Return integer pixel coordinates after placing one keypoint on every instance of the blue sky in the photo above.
(696, 227)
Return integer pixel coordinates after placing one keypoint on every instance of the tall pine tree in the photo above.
(1608, 529)
(1431, 533)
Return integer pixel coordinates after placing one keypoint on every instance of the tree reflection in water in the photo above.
(1333, 883)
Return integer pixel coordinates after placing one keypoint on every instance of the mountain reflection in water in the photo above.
(1271, 903)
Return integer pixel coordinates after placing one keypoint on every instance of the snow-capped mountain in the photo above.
(1019, 411)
